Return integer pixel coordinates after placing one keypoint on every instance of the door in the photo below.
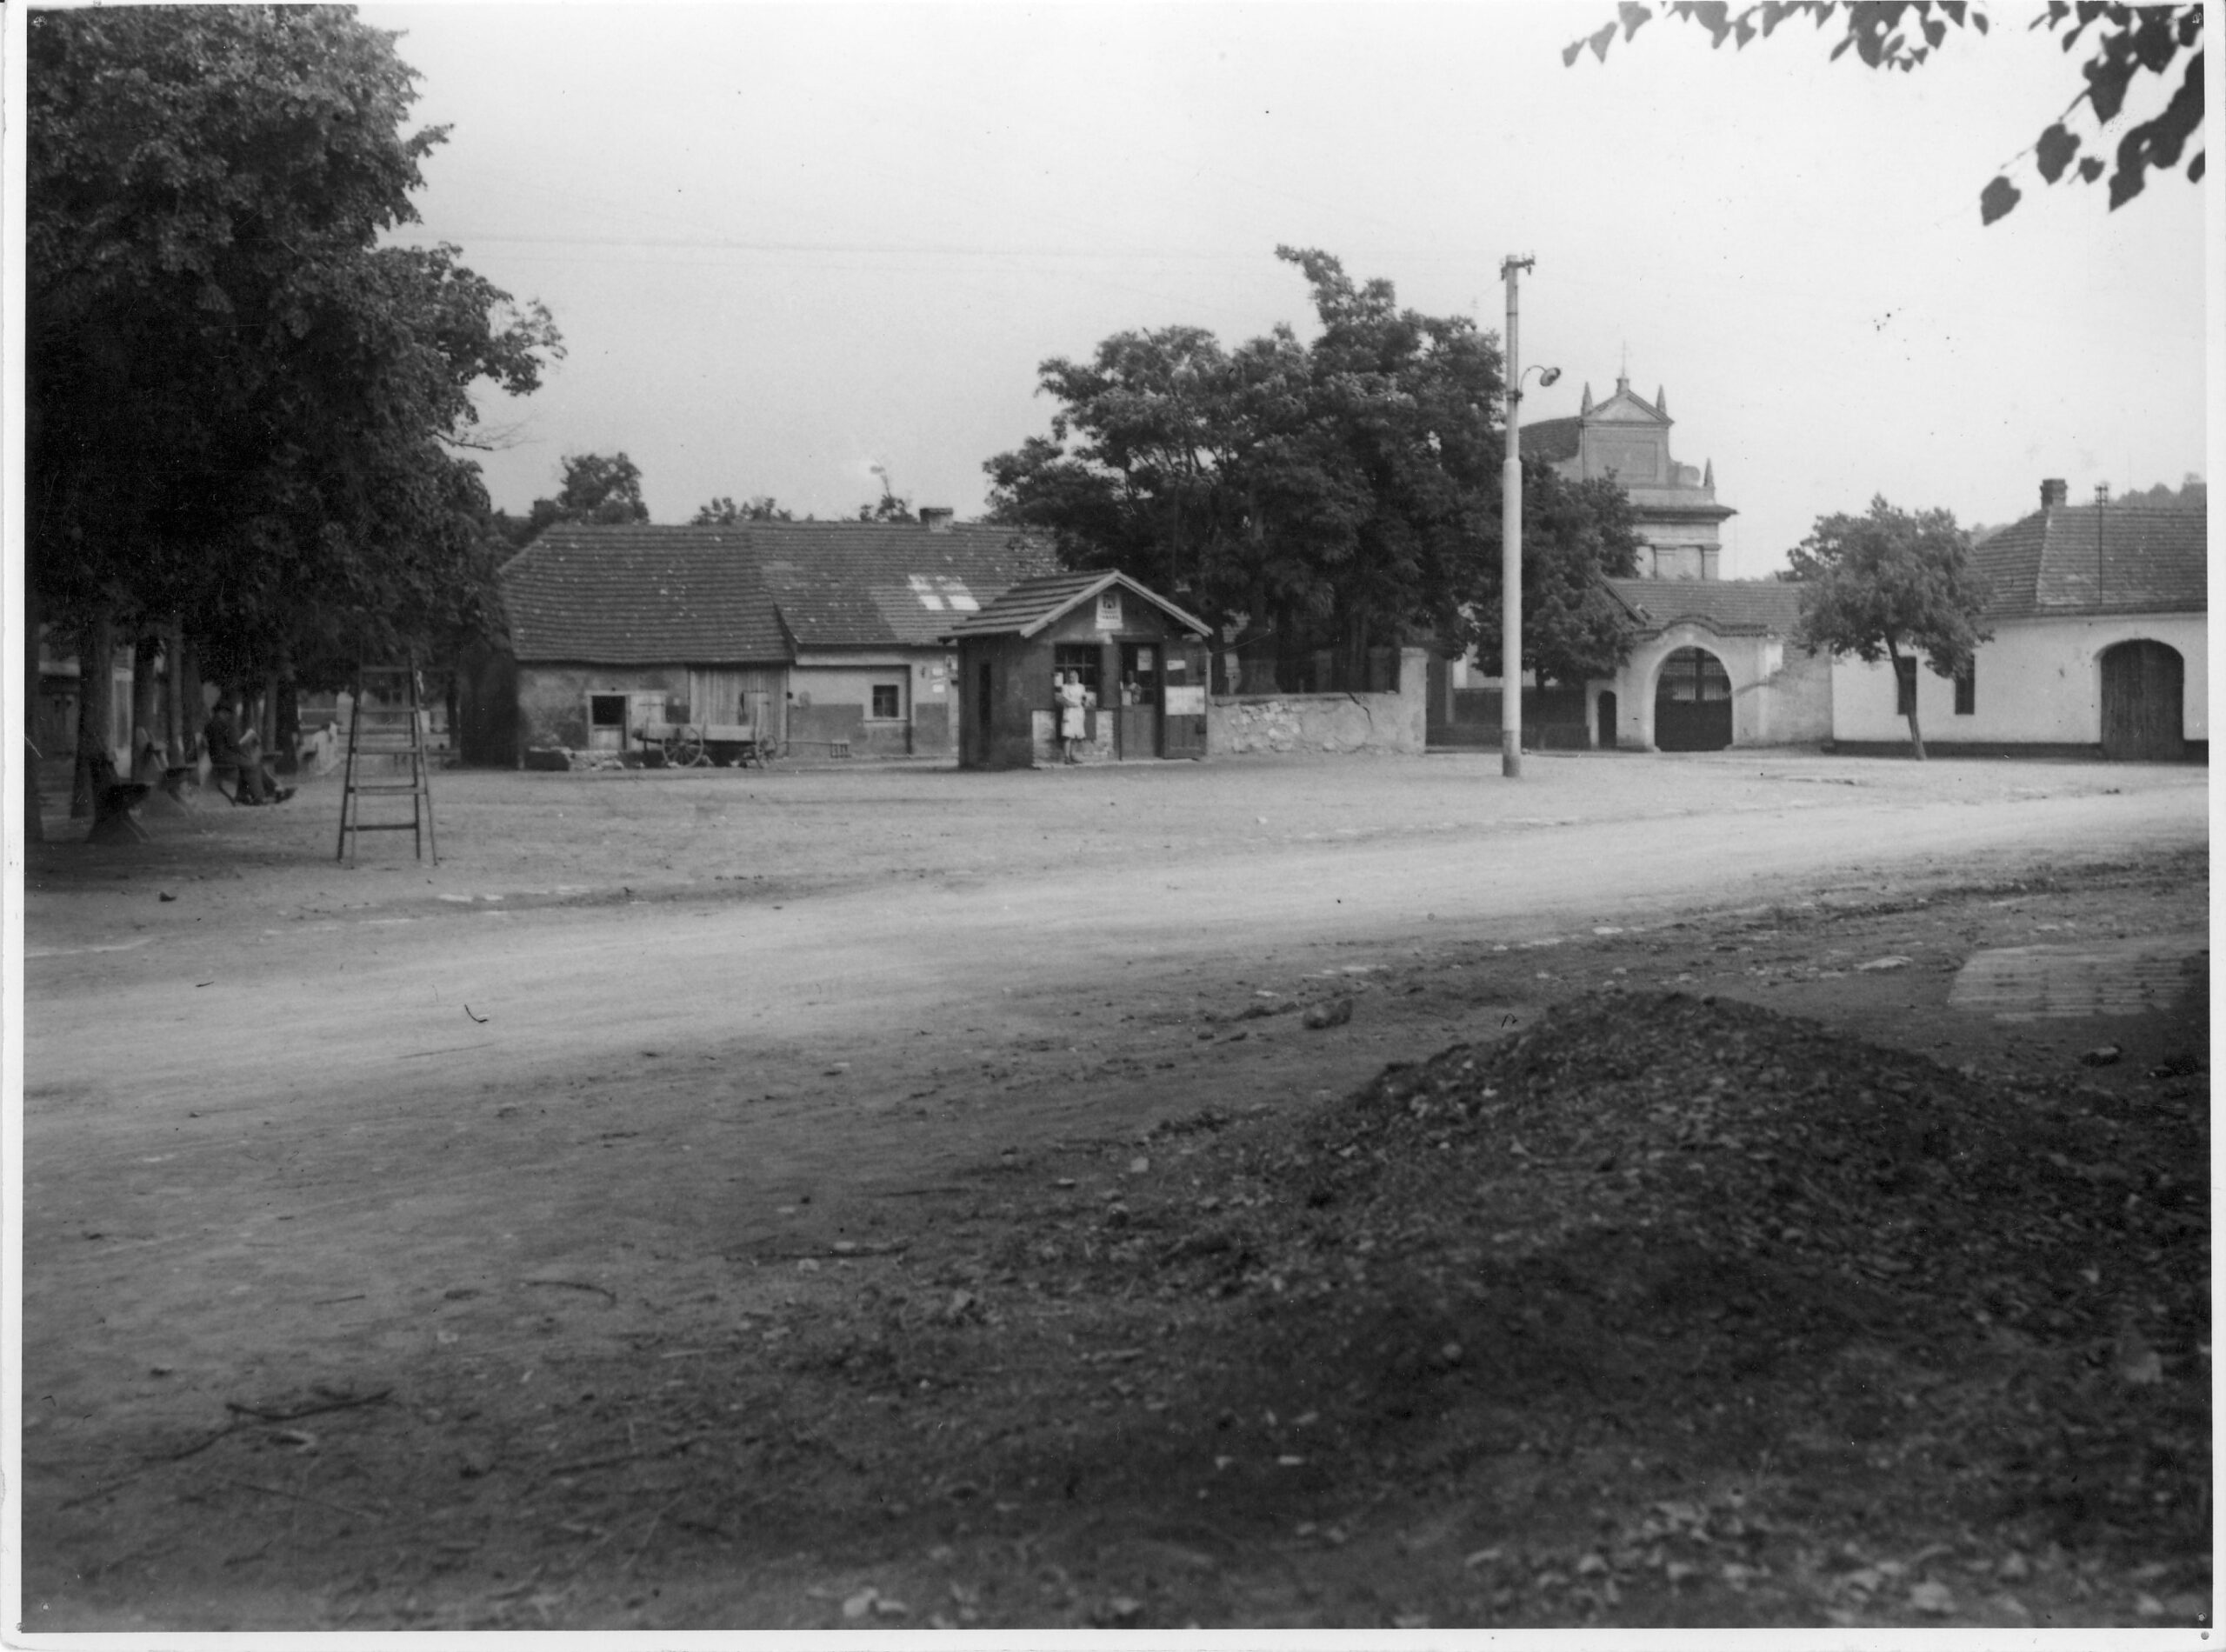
(1183, 704)
(1607, 740)
(2144, 684)
(1136, 733)
(607, 723)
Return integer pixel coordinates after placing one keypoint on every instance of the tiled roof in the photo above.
(883, 584)
(1030, 606)
(636, 595)
(2086, 559)
(1768, 606)
(1550, 439)
(751, 593)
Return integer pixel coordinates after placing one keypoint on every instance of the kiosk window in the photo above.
(1082, 658)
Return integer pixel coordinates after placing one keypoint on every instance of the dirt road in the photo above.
(636, 1025)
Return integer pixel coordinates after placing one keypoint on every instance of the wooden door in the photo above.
(2144, 685)
(607, 723)
(1692, 703)
(1606, 741)
(1183, 704)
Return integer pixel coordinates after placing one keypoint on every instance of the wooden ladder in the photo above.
(394, 729)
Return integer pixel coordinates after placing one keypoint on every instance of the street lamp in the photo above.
(1510, 541)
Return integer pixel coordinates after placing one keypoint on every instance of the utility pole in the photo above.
(1511, 550)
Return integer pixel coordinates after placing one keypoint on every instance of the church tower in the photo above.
(1627, 436)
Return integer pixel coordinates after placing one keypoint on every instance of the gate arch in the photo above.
(2144, 688)
(1692, 703)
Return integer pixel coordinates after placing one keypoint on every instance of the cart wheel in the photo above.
(687, 752)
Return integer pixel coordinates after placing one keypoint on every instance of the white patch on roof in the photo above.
(938, 592)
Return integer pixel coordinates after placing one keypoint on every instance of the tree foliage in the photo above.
(1892, 584)
(2128, 41)
(1575, 534)
(596, 487)
(240, 407)
(1326, 497)
(723, 511)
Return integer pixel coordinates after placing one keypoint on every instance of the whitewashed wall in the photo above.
(2038, 682)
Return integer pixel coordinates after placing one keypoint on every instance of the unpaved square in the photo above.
(376, 1218)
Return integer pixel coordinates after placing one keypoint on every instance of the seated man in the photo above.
(228, 750)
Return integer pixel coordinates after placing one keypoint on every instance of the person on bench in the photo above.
(228, 751)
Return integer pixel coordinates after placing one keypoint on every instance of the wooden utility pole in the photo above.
(1511, 550)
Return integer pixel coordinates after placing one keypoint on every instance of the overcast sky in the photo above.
(784, 243)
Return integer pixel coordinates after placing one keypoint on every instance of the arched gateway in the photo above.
(1692, 703)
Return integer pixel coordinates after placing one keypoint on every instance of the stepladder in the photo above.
(389, 759)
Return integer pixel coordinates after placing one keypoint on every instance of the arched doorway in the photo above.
(2144, 685)
(1692, 703)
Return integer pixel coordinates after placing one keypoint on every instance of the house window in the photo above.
(1967, 689)
(885, 700)
(1904, 687)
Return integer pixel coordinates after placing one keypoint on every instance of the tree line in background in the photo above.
(1318, 501)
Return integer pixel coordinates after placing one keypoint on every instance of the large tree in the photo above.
(1575, 534)
(2128, 41)
(596, 487)
(1325, 497)
(1894, 585)
(243, 412)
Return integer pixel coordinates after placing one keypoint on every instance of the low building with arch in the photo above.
(2100, 615)
(1715, 665)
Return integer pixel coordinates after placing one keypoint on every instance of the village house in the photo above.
(2100, 615)
(818, 637)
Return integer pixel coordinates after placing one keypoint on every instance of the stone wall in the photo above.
(1238, 723)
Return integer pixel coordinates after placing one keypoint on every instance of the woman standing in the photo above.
(1070, 718)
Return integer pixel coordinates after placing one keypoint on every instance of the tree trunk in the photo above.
(34, 827)
(191, 710)
(96, 708)
(1917, 734)
(286, 725)
(144, 649)
(177, 717)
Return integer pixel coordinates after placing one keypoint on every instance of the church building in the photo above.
(1628, 438)
(1712, 664)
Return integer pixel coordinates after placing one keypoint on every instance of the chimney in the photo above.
(2054, 491)
(936, 518)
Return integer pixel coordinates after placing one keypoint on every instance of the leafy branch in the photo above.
(2128, 40)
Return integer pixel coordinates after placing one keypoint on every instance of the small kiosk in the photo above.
(1141, 662)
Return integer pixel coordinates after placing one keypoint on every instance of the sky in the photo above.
(787, 243)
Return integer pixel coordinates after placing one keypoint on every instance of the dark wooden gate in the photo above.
(2144, 684)
(1692, 703)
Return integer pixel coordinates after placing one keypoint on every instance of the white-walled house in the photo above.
(2099, 615)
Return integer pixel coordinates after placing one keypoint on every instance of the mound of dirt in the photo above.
(1770, 1139)
(1651, 1215)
